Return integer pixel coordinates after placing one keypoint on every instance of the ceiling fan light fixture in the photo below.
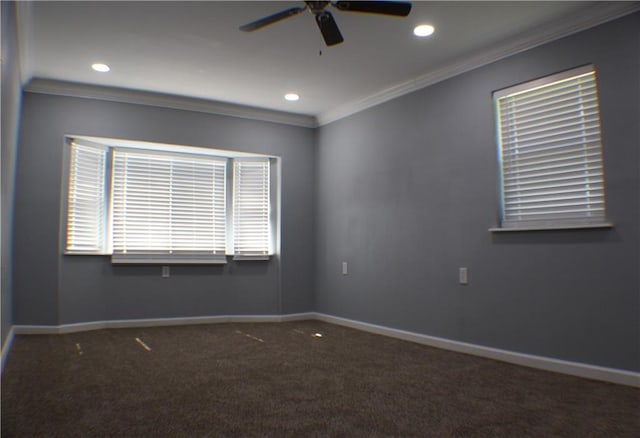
(292, 97)
(99, 67)
(324, 19)
(423, 30)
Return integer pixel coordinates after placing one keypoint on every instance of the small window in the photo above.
(550, 153)
(251, 224)
(86, 221)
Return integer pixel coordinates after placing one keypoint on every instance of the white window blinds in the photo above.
(167, 204)
(251, 208)
(86, 212)
(551, 152)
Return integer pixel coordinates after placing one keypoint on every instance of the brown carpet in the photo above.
(279, 380)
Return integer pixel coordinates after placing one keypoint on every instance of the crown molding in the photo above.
(123, 95)
(600, 13)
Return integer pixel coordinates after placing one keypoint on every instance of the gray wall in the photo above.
(51, 288)
(407, 191)
(11, 95)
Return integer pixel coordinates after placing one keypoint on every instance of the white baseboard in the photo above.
(6, 347)
(155, 322)
(298, 316)
(612, 375)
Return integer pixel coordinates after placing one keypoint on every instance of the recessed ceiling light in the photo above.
(291, 97)
(102, 68)
(423, 30)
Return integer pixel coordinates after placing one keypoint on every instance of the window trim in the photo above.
(575, 223)
(67, 169)
(162, 161)
(233, 208)
(594, 226)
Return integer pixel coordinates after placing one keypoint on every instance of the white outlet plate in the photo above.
(463, 275)
(345, 268)
(166, 272)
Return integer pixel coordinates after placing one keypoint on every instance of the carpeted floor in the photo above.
(280, 380)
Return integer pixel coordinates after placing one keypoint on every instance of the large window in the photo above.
(159, 204)
(550, 152)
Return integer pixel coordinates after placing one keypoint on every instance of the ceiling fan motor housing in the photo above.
(317, 7)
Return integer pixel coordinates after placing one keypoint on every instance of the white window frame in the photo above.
(86, 191)
(245, 224)
(547, 182)
(167, 219)
(151, 257)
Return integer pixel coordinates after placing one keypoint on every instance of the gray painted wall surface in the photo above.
(51, 288)
(407, 191)
(11, 95)
(404, 192)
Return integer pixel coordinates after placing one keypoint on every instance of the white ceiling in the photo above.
(195, 49)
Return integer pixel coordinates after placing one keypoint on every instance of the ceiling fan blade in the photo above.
(329, 28)
(399, 9)
(258, 24)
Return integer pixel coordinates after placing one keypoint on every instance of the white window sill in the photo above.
(551, 227)
(146, 259)
(85, 253)
(160, 260)
(249, 258)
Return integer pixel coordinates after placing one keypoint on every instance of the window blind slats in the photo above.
(251, 208)
(86, 213)
(168, 204)
(561, 110)
(530, 111)
(551, 146)
(561, 113)
(524, 197)
(533, 188)
(531, 178)
(567, 160)
(525, 140)
(551, 153)
(556, 90)
(547, 201)
(580, 125)
(558, 152)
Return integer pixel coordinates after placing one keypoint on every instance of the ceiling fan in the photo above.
(324, 19)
